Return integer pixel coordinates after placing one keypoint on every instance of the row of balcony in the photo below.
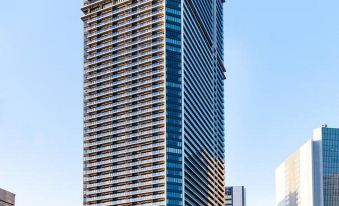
(154, 75)
(135, 73)
(107, 182)
(125, 53)
(124, 166)
(126, 144)
(124, 23)
(104, 181)
(125, 130)
(125, 73)
(129, 201)
(115, 11)
(144, 156)
(126, 194)
(110, 154)
(154, 31)
(129, 143)
(125, 95)
(125, 187)
(127, 59)
(129, 101)
(140, 112)
(140, 62)
(139, 120)
(155, 22)
(128, 171)
(127, 86)
(140, 134)
(121, 152)
(120, 17)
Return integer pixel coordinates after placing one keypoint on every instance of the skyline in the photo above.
(35, 112)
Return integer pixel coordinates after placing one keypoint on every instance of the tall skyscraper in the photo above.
(6, 198)
(310, 176)
(235, 196)
(153, 102)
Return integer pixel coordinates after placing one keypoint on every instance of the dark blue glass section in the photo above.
(203, 103)
(174, 104)
(330, 147)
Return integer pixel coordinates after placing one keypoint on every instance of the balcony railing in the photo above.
(125, 151)
(120, 89)
(120, 195)
(129, 143)
(130, 114)
(124, 123)
(116, 11)
(125, 130)
(124, 187)
(147, 134)
(130, 58)
(158, 161)
(129, 200)
(127, 23)
(152, 70)
(126, 137)
(124, 95)
(139, 69)
(143, 97)
(125, 53)
(111, 20)
(126, 172)
(104, 183)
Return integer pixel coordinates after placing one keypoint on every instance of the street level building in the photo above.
(310, 176)
(153, 103)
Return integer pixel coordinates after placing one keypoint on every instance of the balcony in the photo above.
(127, 115)
(120, 17)
(125, 95)
(106, 183)
(125, 123)
(120, 103)
(126, 130)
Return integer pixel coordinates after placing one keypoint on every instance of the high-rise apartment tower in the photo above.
(310, 176)
(153, 102)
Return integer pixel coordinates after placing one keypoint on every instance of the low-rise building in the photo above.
(6, 198)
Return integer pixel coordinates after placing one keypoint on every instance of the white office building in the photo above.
(310, 176)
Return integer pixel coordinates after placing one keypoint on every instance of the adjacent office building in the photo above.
(6, 198)
(310, 176)
(235, 196)
(153, 102)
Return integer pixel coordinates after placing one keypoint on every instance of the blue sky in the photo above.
(282, 59)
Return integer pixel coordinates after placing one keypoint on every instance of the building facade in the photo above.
(6, 198)
(153, 102)
(235, 196)
(310, 176)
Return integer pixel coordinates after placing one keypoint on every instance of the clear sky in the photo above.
(282, 59)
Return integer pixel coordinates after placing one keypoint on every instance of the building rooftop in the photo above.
(7, 197)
